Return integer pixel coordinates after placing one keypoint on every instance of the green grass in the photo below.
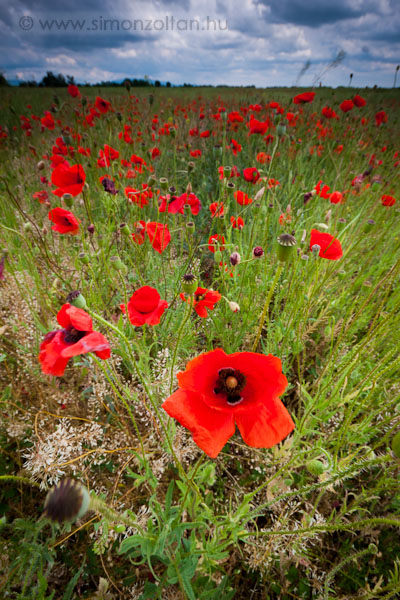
(169, 521)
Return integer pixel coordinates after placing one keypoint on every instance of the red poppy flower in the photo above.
(381, 117)
(106, 156)
(329, 113)
(304, 98)
(47, 121)
(73, 91)
(140, 230)
(102, 105)
(242, 198)
(237, 223)
(213, 241)
(322, 192)
(203, 299)
(256, 126)
(217, 209)
(42, 196)
(359, 101)
(76, 337)
(388, 200)
(70, 180)
(158, 235)
(218, 391)
(263, 157)
(330, 246)
(251, 174)
(346, 105)
(64, 221)
(336, 198)
(145, 306)
(140, 197)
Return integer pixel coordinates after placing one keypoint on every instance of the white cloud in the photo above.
(61, 60)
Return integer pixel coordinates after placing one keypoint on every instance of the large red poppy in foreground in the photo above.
(218, 391)
(76, 337)
(69, 180)
(330, 246)
(145, 306)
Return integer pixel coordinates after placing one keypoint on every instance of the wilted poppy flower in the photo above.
(70, 180)
(145, 306)
(76, 337)
(329, 246)
(218, 391)
(64, 221)
(203, 300)
(359, 101)
(304, 98)
(213, 242)
(158, 235)
(387, 200)
(140, 197)
(251, 174)
(42, 196)
(242, 198)
(346, 106)
(138, 235)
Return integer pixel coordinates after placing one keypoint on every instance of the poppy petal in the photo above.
(266, 427)
(211, 429)
(93, 342)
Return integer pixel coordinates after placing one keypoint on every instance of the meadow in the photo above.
(199, 343)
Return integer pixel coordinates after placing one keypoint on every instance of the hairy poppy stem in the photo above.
(266, 305)
(189, 311)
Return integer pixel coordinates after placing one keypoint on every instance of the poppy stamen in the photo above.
(230, 382)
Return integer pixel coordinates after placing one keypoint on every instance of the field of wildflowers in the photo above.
(199, 344)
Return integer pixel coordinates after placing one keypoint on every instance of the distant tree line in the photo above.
(52, 80)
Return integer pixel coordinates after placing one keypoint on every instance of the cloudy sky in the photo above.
(236, 42)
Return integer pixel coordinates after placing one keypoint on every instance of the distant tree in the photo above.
(31, 83)
(157, 83)
(70, 80)
(3, 81)
(51, 80)
(168, 84)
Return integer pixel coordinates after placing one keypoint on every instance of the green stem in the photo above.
(266, 305)
(181, 328)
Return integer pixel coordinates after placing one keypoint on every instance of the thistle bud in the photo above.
(258, 252)
(235, 258)
(286, 243)
(68, 501)
(76, 299)
(189, 284)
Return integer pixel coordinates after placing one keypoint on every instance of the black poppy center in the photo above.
(72, 335)
(230, 382)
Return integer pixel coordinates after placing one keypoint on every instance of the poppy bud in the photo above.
(375, 186)
(286, 243)
(172, 131)
(187, 210)
(190, 166)
(396, 445)
(235, 258)
(66, 139)
(27, 227)
(218, 256)
(124, 229)
(234, 306)
(68, 501)
(151, 180)
(258, 252)
(84, 101)
(341, 223)
(83, 258)
(189, 284)
(119, 116)
(68, 200)
(76, 299)
(373, 548)
(259, 194)
(189, 188)
(315, 467)
(163, 183)
(91, 229)
(40, 165)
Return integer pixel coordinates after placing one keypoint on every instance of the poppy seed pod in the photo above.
(369, 225)
(286, 243)
(315, 249)
(163, 183)
(83, 258)
(189, 284)
(76, 299)
(68, 501)
(118, 265)
(124, 229)
(190, 226)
